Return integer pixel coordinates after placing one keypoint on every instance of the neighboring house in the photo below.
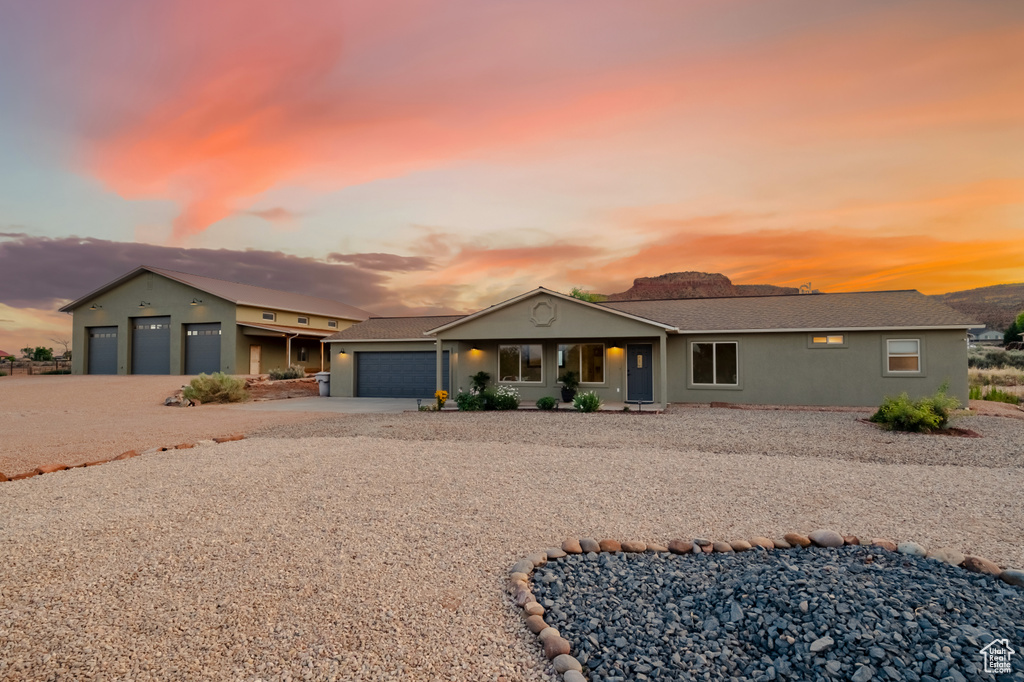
(807, 349)
(983, 335)
(155, 321)
(4, 354)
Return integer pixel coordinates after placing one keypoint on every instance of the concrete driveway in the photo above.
(338, 405)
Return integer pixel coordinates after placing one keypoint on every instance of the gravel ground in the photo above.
(852, 613)
(75, 419)
(384, 558)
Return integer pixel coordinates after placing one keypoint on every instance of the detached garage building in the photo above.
(155, 321)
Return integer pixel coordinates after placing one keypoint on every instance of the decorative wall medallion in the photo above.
(542, 314)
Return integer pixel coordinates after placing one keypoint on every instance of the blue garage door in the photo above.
(202, 348)
(151, 345)
(102, 350)
(399, 374)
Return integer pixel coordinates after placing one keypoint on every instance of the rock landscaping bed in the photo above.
(788, 609)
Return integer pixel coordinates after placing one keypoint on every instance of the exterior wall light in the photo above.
(95, 306)
(143, 304)
(196, 301)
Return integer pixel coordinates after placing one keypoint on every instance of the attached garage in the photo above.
(102, 350)
(202, 348)
(399, 374)
(151, 345)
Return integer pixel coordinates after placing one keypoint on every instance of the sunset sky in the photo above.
(447, 154)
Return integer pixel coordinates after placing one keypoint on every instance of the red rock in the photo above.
(2, 477)
(888, 545)
(50, 468)
(721, 547)
(707, 549)
(680, 546)
(535, 624)
(977, 564)
(851, 540)
(532, 608)
(21, 477)
(184, 446)
(571, 546)
(782, 544)
(228, 439)
(96, 463)
(555, 646)
(630, 546)
(125, 455)
(740, 545)
(717, 404)
(610, 546)
(797, 540)
(760, 541)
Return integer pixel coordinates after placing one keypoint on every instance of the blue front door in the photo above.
(639, 373)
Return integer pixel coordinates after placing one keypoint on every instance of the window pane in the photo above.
(703, 363)
(820, 339)
(532, 358)
(593, 363)
(508, 363)
(725, 363)
(903, 363)
(903, 346)
(835, 339)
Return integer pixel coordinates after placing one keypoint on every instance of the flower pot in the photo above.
(568, 394)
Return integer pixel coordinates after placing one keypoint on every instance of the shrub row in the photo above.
(995, 358)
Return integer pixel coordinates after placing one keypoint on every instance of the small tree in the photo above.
(1014, 331)
(66, 343)
(42, 354)
(583, 295)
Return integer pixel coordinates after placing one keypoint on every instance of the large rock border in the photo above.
(558, 650)
(55, 467)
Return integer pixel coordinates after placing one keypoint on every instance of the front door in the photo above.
(639, 373)
(254, 359)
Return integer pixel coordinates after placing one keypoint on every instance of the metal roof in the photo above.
(240, 294)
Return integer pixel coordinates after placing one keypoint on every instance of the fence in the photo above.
(30, 367)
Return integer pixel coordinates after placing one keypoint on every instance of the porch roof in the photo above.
(283, 331)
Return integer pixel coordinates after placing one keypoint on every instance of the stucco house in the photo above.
(156, 321)
(806, 349)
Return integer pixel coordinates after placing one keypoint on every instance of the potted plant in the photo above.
(570, 382)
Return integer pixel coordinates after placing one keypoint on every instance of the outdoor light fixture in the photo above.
(341, 352)
(143, 304)
(196, 301)
(95, 307)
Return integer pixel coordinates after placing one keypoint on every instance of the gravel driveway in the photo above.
(377, 550)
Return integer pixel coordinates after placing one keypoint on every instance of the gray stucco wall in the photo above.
(781, 368)
(166, 297)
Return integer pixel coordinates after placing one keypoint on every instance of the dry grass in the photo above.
(1006, 376)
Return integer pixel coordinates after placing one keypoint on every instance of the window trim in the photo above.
(579, 370)
(299, 320)
(272, 318)
(715, 386)
(844, 344)
(519, 346)
(904, 372)
(332, 324)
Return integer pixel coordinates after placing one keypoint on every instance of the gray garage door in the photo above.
(202, 348)
(151, 345)
(400, 374)
(102, 350)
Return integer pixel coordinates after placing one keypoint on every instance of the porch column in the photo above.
(440, 366)
(663, 369)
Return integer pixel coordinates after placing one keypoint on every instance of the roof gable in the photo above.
(240, 294)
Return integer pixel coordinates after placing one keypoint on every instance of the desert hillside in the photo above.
(694, 285)
(995, 306)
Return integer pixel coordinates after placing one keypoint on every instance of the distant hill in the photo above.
(694, 285)
(995, 306)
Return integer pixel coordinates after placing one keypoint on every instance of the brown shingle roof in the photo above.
(393, 328)
(242, 294)
(871, 309)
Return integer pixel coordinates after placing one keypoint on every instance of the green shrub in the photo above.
(3, 374)
(216, 388)
(586, 402)
(293, 372)
(546, 403)
(479, 381)
(974, 393)
(469, 402)
(995, 358)
(1000, 396)
(923, 415)
(504, 398)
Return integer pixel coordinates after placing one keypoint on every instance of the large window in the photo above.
(522, 362)
(715, 363)
(586, 359)
(904, 355)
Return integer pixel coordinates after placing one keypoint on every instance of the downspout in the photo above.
(288, 350)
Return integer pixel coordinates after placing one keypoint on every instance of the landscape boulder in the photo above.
(826, 538)
(977, 564)
(50, 468)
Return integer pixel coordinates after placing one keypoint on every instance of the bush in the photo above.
(999, 396)
(3, 374)
(293, 372)
(995, 358)
(546, 403)
(586, 402)
(479, 381)
(216, 388)
(974, 393)
(469, 402)
(923, 415)
(503, 398)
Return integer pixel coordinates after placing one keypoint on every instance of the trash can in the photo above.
(324, 379)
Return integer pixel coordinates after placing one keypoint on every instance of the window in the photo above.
(303, 320)
(522, 362)
(333, 324)
(586, 359)
(715, 363)
(829, 340)
(269, 317)
(904, 355)
(303, 354)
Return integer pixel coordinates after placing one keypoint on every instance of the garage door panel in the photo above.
(202, 348)
(102, 350)
(398, 374)
(151, 345)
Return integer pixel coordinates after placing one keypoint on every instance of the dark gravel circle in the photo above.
(757, 615)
